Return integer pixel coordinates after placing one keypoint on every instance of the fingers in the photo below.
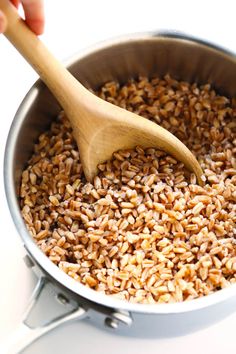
(3, 22)
(34, 14)
(15, 3)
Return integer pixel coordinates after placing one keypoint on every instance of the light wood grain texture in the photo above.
(99, 127)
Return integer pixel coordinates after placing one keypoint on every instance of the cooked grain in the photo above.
(144, 231)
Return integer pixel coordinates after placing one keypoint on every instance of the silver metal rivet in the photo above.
(111, 323)
(62, 299)
(123, 317)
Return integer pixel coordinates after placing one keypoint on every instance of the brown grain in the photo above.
(144, 231)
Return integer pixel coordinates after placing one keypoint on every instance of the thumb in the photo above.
(3, 22)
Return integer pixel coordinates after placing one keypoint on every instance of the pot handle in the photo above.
(33, 327)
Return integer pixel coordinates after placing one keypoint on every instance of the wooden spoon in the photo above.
(100, 128)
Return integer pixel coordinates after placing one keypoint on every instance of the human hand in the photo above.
(34, 15)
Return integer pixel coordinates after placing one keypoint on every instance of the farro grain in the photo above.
(144, 231)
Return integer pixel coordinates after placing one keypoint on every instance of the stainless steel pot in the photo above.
(152, 54)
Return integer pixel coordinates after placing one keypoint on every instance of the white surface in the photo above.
(73, 25)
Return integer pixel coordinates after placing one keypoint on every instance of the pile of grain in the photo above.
(144, 231)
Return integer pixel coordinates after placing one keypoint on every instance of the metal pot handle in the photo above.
(33, 327)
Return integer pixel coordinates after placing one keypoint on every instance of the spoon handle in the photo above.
(51, 71)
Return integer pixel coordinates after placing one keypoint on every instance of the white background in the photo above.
(70, 26)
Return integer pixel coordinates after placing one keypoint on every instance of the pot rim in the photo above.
(37, 255)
